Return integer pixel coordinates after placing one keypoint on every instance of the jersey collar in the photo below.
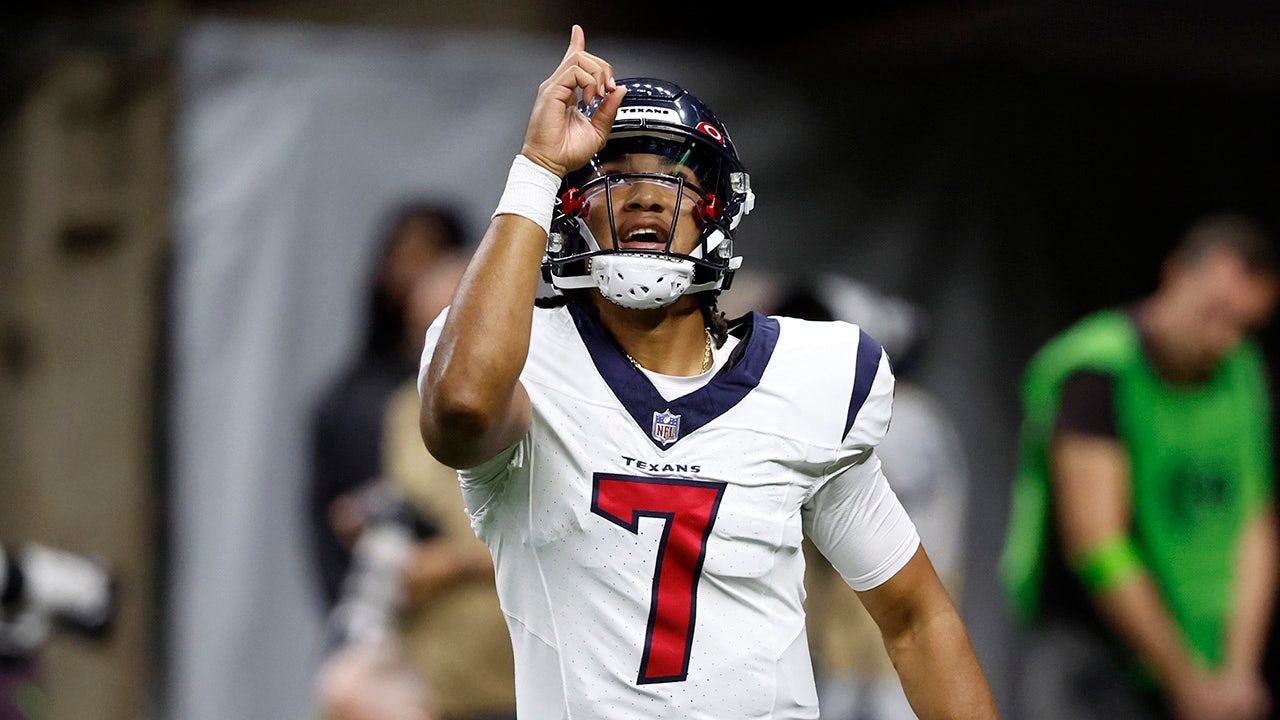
(666, 422)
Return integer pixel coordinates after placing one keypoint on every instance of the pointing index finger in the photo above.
(577, 41)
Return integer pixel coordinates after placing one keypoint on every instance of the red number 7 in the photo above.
(689, 508)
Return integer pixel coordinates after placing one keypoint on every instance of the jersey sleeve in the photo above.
(483, 485)
(853, 517)
(429, 347)
(859, 525)
(1087, 405)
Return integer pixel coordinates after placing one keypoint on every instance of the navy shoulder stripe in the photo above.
(864, 374)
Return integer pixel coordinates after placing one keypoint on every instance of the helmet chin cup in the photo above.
(641, 282)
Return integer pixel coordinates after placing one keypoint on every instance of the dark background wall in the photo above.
(1009, 166)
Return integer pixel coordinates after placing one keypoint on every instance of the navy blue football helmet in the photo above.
(697, 160)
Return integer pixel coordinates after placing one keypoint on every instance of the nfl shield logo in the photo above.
(666, 427)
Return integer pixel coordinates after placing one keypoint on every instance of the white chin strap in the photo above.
(641, 282)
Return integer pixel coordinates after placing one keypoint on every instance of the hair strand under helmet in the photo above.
(660, 118)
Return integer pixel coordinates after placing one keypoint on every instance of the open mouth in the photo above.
(643, 239)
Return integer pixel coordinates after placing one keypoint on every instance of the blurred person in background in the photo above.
(453, 629)
(346, 439)
(643, 470)
(1141, 553)
(427, 629)
(925, 463)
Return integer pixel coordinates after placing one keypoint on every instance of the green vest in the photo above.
(1201, 467)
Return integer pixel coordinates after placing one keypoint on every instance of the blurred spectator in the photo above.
(369, 680)
(454, 629)
(347, 425)
(1141, 552)
(925, 463)
(446, 649)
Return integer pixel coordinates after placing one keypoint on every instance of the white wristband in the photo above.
(530, 192)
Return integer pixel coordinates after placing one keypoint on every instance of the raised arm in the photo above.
(473, 405)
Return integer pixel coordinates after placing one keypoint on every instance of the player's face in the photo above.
(644, 208)
(1225, 302)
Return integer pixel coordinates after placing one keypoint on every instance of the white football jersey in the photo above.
(648, 552)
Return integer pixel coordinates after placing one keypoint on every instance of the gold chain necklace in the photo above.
(706, 356)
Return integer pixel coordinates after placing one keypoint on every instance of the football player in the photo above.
(644, 471)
